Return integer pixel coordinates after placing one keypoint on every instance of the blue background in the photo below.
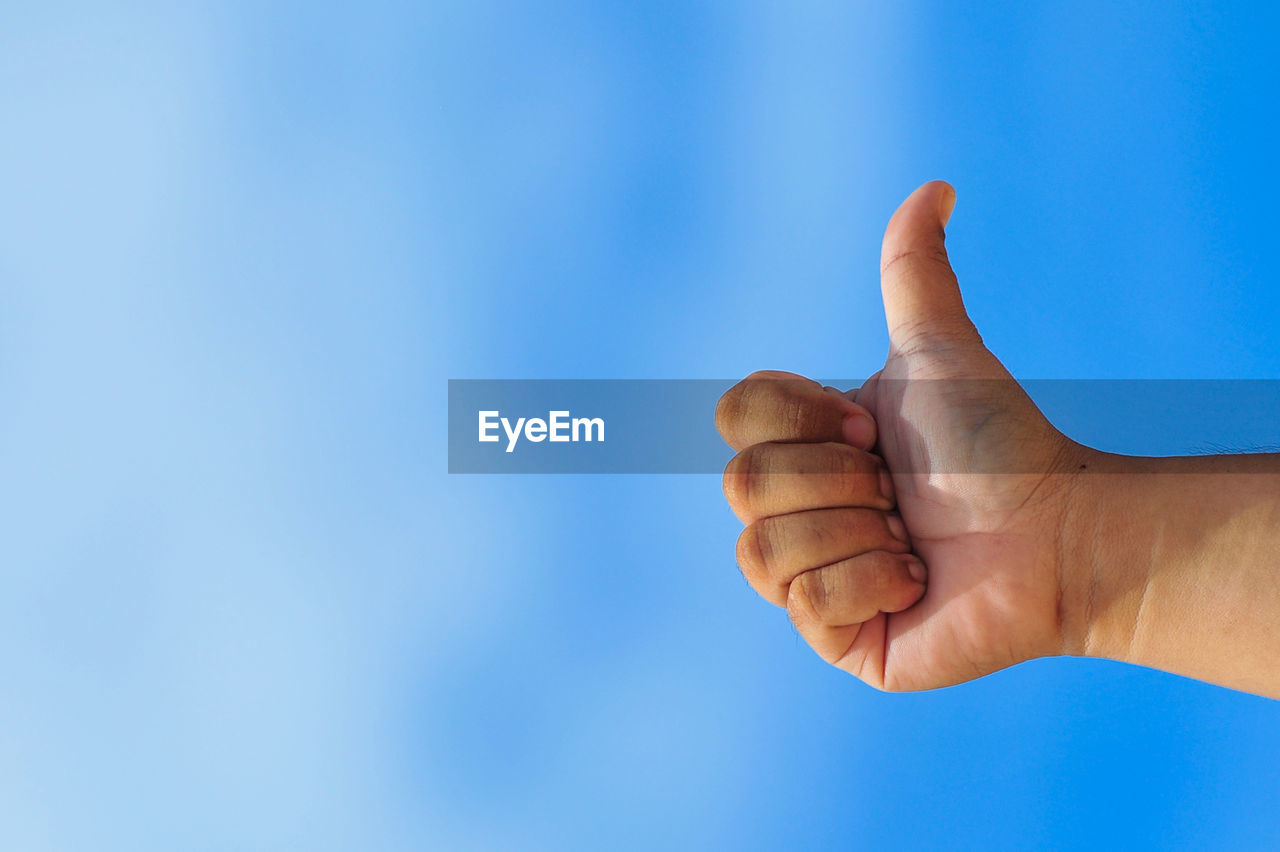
(242, 248)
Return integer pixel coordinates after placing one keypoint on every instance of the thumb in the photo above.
(922, 302)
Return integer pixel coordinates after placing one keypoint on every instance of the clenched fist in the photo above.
(913, 528)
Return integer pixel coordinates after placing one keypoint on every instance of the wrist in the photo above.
(1106, 545)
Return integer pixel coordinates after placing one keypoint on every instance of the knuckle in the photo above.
(729, 410)
(733, 482)
(807, 598)
(766, 544)
(914, 335)
(919, 257)
(816, 592)
(933, 335)
(784, 400)
(744, 477)
(754, 551)
(738, 403)
(745, 552)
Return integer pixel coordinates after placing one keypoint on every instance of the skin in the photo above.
(931, 526)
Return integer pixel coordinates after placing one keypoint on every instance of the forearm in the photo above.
(1177, 566)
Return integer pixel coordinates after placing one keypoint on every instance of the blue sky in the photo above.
(242, 605)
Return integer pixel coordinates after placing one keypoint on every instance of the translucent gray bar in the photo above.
(667, 425)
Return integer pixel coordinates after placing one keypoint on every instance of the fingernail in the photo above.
(860, 431)
(897, 528)
(916, 569)
(886, 484)
(948, 205)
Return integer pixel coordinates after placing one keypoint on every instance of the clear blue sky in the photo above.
(242, 248)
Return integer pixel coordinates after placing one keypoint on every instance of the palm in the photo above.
(993, 592)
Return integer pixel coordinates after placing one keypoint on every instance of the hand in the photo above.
(971, 572)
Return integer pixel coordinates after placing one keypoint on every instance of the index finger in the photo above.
(775, 406)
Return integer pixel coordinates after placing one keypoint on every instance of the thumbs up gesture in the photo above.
(912, 527)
